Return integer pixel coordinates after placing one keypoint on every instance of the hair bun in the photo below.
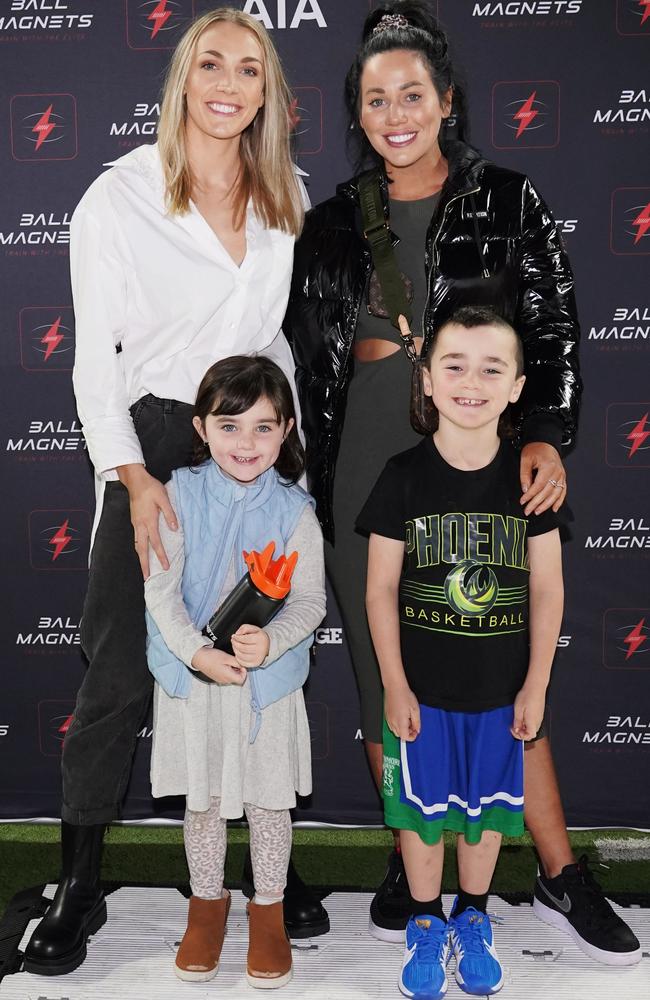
(416, 12)
(374, 17)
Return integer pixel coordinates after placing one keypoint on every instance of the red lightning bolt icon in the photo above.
(526, 114)
(63, 728)
(60, 539)
(43, 127)
(159, 15)
(635, 639)
(638, 434)
(643, 219)
(646, 10)
(52, 338)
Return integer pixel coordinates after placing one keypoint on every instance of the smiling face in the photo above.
(473, 374)
(224, 89)
(247, 444)
(400, 108)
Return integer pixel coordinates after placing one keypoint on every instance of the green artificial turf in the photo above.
(332, 857)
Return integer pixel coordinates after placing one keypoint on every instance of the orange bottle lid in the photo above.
(271, 576)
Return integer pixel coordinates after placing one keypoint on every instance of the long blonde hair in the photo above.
(267, 176)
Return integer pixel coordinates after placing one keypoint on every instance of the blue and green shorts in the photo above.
(463, 772)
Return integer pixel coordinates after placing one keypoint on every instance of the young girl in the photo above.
(240, 744)
(454, 563)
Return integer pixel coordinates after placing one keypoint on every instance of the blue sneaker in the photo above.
(424, 970)
(478, 969)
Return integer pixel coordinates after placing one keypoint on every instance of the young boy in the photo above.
(464, 602)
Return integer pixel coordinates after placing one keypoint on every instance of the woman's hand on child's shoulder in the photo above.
(218, 666)
(543, 478)
(402, 712)
(250, 644)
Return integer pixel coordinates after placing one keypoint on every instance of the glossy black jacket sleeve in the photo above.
(548, 325)
(315, 326)
(312, 327)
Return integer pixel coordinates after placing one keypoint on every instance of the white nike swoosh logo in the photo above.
(408, 954)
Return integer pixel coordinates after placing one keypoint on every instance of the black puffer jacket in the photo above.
(491, 242)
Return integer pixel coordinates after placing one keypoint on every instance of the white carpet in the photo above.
(131, 957)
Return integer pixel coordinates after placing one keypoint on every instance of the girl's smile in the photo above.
(244, 445)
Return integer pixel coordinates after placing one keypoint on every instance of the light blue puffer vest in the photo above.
(221, 519)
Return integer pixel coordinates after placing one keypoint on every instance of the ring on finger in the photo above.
(559, 485)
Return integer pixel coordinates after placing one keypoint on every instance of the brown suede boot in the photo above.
(269, 948)
(198, 956)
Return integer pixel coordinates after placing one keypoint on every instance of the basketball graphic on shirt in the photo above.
(471, 588)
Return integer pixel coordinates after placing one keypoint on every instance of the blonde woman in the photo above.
(180, 255)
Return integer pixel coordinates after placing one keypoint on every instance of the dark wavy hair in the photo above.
(231, 387)
(423, 36)
(469, 317)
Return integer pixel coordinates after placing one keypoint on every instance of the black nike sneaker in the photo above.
(574, 902)
(391, 906)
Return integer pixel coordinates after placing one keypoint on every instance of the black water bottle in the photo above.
(256, 599)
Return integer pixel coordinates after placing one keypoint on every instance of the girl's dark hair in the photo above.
(231, 387)
(469, 317)
(423, 36)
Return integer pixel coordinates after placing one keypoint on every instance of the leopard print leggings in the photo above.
(205, 848)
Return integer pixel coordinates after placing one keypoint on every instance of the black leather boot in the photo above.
(58, 945)
(304, 914)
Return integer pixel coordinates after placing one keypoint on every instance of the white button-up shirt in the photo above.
(164, 289)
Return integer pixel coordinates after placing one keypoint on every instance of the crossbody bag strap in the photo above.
(376, 231)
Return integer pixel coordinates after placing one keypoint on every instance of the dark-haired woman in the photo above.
(465, 232)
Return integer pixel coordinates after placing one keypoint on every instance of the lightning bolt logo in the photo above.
(52, 339)
(643, 218)
(65, 725)
(638, 435)
(59, 540)
(43, 127)
(526, 113)
(645, 6)
(159, 15)
(634, 639)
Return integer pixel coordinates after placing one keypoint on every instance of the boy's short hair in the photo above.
(471, 316)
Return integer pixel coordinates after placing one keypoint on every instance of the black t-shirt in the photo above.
(463, 597)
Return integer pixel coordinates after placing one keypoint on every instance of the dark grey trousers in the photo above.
(114, 697)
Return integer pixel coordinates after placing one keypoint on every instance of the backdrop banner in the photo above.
(558, 89)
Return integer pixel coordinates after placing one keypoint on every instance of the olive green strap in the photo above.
(376, 231)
